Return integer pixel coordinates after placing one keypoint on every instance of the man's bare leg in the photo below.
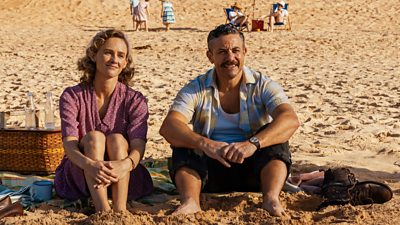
(273, 176)
(271, 23)
(188, 183)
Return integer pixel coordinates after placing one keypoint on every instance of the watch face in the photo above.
(253, 139)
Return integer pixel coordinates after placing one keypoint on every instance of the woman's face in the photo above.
(111, 58)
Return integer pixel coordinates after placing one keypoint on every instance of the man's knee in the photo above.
(275, 166)
(186, 172)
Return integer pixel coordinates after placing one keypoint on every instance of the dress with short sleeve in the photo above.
(127, 114)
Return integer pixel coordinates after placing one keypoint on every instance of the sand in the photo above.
(339, 66)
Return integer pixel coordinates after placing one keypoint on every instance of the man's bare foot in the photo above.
(274, 207)
(188, 207)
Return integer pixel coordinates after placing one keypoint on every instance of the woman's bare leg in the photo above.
(93, 144)
(117, 149)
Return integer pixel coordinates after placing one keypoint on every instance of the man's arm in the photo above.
(283, 126)
(176, 131)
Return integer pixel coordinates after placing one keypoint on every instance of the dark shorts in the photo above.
(240, 177)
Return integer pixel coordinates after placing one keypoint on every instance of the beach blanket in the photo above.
(17, 186)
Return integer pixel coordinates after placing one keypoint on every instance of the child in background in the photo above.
(167, 13)
(142, 14)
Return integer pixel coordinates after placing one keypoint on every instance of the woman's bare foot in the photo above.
(187, 207)
(274, 207)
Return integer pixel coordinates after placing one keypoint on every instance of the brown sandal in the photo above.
(5, 201)
(15, 209)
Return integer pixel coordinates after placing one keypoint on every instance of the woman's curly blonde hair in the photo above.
(88, 66)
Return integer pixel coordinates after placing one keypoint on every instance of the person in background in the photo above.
(142, 15)
(229, 129)
(236, 17)
(104, 128)
(132, 6)
(167, 13)
(278, 16)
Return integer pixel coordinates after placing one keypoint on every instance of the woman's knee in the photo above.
(117, 146)
(93, 141)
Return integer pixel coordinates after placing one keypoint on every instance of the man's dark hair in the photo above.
(221, 30)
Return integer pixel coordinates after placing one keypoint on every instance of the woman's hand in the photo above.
(120, 167)
(101, 172)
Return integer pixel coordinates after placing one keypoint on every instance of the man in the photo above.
(133, 7)
(241, 124)
(278, 16)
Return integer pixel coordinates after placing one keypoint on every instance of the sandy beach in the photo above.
(340, 67)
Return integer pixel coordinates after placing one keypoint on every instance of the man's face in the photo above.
(227, 53)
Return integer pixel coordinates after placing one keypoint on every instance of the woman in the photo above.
(236, 17)
(104, 128)
(142, 14)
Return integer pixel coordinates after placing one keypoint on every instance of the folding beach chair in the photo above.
(227, 11)
(241, 28)
(286, 25)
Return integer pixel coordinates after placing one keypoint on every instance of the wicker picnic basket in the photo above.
(30, 151)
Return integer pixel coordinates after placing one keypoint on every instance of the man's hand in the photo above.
(237, 152)
(213, 149)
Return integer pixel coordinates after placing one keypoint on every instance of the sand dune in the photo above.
(339, 66)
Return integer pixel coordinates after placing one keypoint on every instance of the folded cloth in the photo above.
(22, 195)
(159, 173)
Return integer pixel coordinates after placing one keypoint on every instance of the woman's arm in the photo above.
(147, 11)
(136, 152)
(71, 149)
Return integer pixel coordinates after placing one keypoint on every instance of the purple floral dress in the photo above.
(127, 114)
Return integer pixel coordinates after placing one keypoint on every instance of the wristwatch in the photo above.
(254, 140)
